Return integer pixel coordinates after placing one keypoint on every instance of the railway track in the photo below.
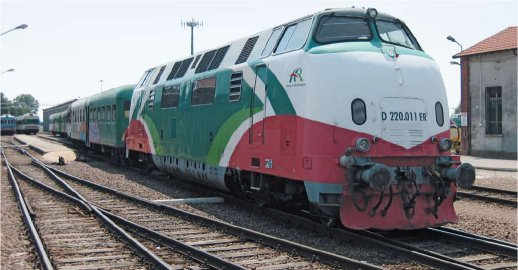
(67, 234)
(500, 196)
(482, 253)
(442, 248)
(218, 244)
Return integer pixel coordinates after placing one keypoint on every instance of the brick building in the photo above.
(488, 96)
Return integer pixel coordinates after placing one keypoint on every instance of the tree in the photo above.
(6, 104)
(24, 103)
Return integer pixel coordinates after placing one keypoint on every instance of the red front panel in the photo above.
(136, 137)
(420, 216)
(303, 149)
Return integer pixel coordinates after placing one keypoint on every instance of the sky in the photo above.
(71, 45)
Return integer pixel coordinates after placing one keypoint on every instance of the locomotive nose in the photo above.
(464, 175)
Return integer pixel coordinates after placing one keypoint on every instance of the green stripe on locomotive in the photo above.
(106, 125)
(179, 131)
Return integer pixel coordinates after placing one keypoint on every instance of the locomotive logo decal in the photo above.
(296, 78)
(296, 74)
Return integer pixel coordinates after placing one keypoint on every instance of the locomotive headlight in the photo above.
(363, 144)
(445, 144)
(372, 12)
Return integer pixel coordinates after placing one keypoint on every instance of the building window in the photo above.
(494, 110)
(203, 91)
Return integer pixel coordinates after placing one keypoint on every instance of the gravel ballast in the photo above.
(481, 218)
(16, 248)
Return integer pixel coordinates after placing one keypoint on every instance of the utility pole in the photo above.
(192, 23)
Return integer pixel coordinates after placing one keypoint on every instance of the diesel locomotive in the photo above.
(340, 113)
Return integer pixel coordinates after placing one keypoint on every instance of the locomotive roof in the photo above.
(262, 36)
(28, 116)
(8, 116)
(114, 93)
(356, 12)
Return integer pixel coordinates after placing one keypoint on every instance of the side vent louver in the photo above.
(174, 70)
(179, 69)
(183, 68)
(247, 49)
(157, 79)
(212, 59)
(216, 61)
(205, 61)
(235, 86)
(196, 61)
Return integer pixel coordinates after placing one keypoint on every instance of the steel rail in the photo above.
(43, 257)
(495, 190)
(511, 203)
(197, 254)
(486, 245)
(420, 255)
(274, 242)
(143, 251)
(476, 236)
(426, 257)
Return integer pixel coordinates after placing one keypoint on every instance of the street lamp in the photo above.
(9, 70)
(454, 63)
(450, 38)
(21, 26)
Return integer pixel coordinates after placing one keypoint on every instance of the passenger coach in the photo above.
(99, 121)
(28, 124)
(8, 124)
(59, 123)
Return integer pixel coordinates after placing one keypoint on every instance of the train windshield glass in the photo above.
(397, 33)
(338, 28)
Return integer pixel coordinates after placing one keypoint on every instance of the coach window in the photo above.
(294, 37)
(270, 45)
(203, 91)
(170, 96)
(126, 109)
(114, 112)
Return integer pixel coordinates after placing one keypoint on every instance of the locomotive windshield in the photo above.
(397, 33)
(332, 28)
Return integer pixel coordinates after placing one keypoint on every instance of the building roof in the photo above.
(59, 105)
(503, 40)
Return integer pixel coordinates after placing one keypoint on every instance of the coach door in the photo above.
(258, 105)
